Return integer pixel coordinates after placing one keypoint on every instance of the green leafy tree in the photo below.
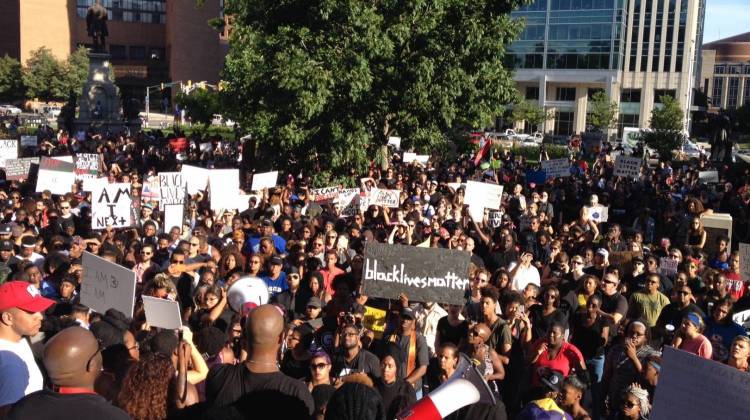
(603, 112)
(200, 105)
(11, 81)
(323, 83)
(76, 70)
(531, 112)
(666, 126)
(42, 75)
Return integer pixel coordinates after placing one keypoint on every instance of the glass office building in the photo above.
(635, 50)
(571, 34)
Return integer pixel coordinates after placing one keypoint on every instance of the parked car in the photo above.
(51, 111)
(8, 109)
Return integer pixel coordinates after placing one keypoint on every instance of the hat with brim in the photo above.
(23, 295)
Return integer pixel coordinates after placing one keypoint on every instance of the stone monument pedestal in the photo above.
(99, 103)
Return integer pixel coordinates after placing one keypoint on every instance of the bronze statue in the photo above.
(96, 25)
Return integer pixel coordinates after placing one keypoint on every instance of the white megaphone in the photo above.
(466, 386)
(247, 293)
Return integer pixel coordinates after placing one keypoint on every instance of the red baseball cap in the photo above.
(23, 295)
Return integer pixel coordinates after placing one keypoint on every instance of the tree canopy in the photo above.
(531, 112)
(200, 105)
(327, 81)
(48, 78)
(11, 79)
(603, 112)
(666, 125)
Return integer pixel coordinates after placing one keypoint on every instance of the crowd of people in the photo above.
(556, 320)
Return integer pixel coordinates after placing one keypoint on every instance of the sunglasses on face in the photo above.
(318, 366)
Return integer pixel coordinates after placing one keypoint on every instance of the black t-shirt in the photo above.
(364, 362)
(297, 369)
(226, 384)
(46, 404)
(540, 324)
(588, 338)
(451, 334)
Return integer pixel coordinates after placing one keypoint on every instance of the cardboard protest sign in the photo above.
(56, 176)
(173, 216)
(628, 167)
(29, 141)
(324, 195)
(395, 141)
(107, 285)
(556, 168)
(8, 150)
(162, 313)
(385, 198)
(694, 388)
(111, 206)
(348, 202)
(667, 266)
(412, 157)
(480, 196)
(196, 178)
(20, 169)
(87, 165)
(367, 184)
(374, 321)
(172, 188)
(424, 274)
(745, 262)
(224, 184)
(495, 219)
(264, 180)
(66, 158)
(716, 225)
(708, 176)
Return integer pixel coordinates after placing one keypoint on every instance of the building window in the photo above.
(139, 11)
(563, 123)
(118, 52)
(594, 91)
(658, 93)
(746, 93)
(733, 91)
(717, 91)
(630, 95)
(626, 120)
(137, 53)
(566, 94)
(720, 69)
(532, 93)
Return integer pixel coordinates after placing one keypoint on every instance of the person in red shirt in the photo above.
(331, 270)
(735, 283)
(552, 352)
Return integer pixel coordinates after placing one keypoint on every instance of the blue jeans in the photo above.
(595, 366)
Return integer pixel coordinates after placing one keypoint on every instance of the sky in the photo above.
(725, 18)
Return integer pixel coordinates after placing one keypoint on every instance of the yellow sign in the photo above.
(374, 320)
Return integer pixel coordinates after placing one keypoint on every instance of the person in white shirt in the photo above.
(523, 272)
(21, 308)
(428, 316)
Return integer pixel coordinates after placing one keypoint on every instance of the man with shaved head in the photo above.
(241, 385)
(73, 361)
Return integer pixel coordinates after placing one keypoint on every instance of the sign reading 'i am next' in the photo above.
(423, 274)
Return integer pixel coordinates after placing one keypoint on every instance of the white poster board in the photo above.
(264, 180)
(162, 313)
(480, 196)
(56, 176)
(708, 176)
(196, 178)
(107, 285)
(745, 262)
(224, 185)
(556, 168)
(715, 225)
(395, 142)
(348, 202)
(87, 165)
(8, 150)
(384, 198)
(172, 188)
(411, 157)
(628, 167)
(91, 184)
(111, 206)
(173, 216)
(694, 388)
(598, 213)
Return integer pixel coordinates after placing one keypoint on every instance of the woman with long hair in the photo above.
(590, 333)
(255, 265)
(546, 313)
(696, 234)
(588, 286)
(231, 262)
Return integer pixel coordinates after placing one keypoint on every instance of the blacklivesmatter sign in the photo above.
(423, 274)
